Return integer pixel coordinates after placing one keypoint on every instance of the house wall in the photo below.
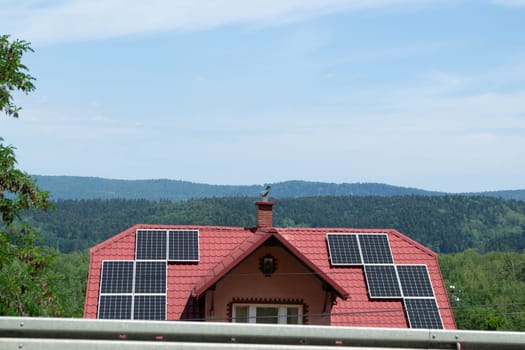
(291, 283)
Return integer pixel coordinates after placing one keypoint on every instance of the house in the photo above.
(266, 274)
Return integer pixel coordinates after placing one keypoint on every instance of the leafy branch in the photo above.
(14, 75)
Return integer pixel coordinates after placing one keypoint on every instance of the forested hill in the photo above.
(509, 194)
(446, 224)
(73, 187)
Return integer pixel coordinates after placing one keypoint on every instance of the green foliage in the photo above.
(24, 279)
(79, 225)
(508, 194)
(13, 74)
(488, 291)
(69, 273)
(18, 190)
(446, 224)
(25, 287)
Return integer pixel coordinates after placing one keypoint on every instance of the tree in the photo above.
(25, 287)
(13, 74)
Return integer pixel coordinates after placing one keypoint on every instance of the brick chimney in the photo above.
(264, 214)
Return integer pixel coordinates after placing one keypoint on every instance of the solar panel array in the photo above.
(132, 289)
(384, 279)
(171, 245)
(136, 289)
(128, 286)
(358, 249)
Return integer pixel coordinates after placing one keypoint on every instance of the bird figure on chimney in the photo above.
(265, 194)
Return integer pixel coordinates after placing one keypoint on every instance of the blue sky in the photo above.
(418, 93)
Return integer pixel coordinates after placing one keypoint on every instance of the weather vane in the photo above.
(265, 194)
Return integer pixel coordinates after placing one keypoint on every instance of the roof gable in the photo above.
(248, 247)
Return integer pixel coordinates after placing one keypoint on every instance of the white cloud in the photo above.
(63, 21)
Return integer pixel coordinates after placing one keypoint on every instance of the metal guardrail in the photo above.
(25, 333)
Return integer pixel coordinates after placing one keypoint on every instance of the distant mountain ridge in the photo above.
(507, 194)
(78, 187)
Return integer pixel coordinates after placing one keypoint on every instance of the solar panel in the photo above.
(343, 249)
(382, 281)
(116, 307)
(151, 245)
(375, 249)
(415, 281)
(423, 313)
(133, 289)
(150, 277)
(183, 245)
(116, 277)
(149, 307)
(137, 289)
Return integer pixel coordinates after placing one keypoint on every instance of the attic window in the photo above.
(268, 265)
(267, 313)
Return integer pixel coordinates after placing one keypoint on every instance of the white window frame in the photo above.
(282, 312)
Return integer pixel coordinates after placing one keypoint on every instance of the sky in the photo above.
(416, 93)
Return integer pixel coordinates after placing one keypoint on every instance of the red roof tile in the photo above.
(223, 248)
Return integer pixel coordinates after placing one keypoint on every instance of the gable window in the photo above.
(267, 313)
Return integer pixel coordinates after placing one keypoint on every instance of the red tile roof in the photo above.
(222, 248)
